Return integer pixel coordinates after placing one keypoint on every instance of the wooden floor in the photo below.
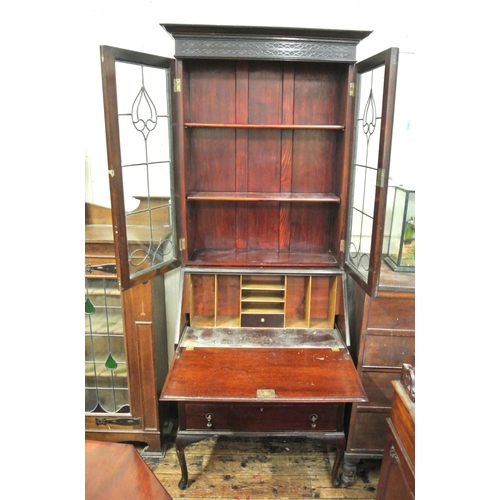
(260, 468)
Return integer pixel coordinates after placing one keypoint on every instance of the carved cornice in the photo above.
(294, 44)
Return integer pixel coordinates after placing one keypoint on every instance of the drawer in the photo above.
(390, 313)
(389, 350)
(263, 320)
(264, 417)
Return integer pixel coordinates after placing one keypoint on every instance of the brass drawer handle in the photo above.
(313, 419)
(209, 418)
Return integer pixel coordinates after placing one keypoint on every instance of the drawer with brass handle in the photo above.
(264, 416)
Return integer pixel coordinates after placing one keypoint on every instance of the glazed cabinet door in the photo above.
(375, 90)
(138, 117)
(125, 354)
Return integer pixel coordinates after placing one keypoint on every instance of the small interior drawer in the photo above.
(264, 417)
(263, 320)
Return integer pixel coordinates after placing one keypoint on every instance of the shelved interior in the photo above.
(263, 301)
(264, 171)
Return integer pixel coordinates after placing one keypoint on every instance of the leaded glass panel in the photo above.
(365, 168)
(106, 381)
(144, 122)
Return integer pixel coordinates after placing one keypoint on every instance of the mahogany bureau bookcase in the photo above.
(259, 126)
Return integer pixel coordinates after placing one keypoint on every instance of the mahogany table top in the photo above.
(115, 470)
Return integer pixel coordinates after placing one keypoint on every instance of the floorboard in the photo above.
(260, 468)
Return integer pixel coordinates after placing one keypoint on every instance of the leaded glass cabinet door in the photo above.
(375, 99)
(138, 116)
(106, 379)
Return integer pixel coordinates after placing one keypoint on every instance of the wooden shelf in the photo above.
(253, 196)
(263, 259)
(258, 285)
(263, 127)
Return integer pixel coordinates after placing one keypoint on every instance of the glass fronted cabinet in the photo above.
(129, 247)
(125, 345)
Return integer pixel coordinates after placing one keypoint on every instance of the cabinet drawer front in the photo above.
(392, 314)
(263, 320)
(264, 417)
(389, 350)
(378, 387)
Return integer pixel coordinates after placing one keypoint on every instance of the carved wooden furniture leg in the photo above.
(340, 444)
(181, 442)
(338, 441)
(349, 471)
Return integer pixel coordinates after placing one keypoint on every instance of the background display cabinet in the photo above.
(125, 345)
(254, 174)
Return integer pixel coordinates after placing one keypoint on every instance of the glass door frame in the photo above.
(109, 56)
(388, 59)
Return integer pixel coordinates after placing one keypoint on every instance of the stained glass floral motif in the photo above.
(89, 307)
(111, 364)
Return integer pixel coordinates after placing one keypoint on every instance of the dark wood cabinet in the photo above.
(384, 340)
(259, 127)
(125, 345)
(397, 474)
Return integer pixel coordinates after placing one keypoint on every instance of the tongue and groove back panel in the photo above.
(271, 157)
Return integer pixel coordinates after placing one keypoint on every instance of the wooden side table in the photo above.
(115, 470)
(397, 473)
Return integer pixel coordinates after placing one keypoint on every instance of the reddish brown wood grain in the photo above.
(278, 135)
(114, 470)
(296, 375)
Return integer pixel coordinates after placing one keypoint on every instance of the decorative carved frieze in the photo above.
(264, 49)
(242, 42)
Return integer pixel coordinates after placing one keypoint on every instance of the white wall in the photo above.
(135, 25)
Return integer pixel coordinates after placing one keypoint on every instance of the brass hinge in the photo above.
(342, 245)
(182, 244)
(352, 89)
(380, 177)
(118, 421)
(105, 268)
(177, 84)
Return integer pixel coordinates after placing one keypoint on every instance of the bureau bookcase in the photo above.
(262, 124)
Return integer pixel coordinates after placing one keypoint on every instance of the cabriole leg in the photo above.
(339, 455)
(180, 445)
